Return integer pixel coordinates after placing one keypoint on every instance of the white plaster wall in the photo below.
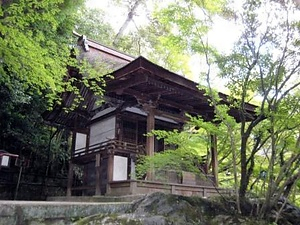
(80, 141)
(103, 130)
(120, 168)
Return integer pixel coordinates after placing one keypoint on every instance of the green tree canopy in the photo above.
(35, 40)
(35, 47)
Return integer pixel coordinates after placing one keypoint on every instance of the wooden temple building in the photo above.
(107, 139)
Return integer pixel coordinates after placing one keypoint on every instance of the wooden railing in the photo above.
(110, 146)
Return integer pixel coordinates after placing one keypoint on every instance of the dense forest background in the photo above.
(259, 158)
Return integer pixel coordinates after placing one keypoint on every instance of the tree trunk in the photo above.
(243, 182)
(125, 24)
(233, 150)
(271, 187)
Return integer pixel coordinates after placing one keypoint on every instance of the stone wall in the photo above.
(50, 213)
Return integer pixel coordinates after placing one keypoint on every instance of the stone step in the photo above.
(96, 198)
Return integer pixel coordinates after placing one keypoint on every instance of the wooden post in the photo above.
(110, 170)
(98, 180)
(87, 141)
(214, 158)
(73, 143)
(150, 127)
(70, 179)
(150, 139)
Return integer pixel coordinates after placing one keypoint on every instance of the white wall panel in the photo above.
(80, 141)
(120, 168)
(103, 130)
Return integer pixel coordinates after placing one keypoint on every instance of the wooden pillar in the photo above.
(150, 139)
(98, 176)
(214, 158)
(70, 179)
(110, 170)
(150, 127)
(73, 143)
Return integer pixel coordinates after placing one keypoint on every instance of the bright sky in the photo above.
(221, 36)
(117, 14)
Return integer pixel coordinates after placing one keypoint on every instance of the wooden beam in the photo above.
(159, 92)
(131, 67)
(162, 85)
(168, 75)
(119, 85)
(184, 107)
(168, 88)
(165, 80)
(176, 117)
